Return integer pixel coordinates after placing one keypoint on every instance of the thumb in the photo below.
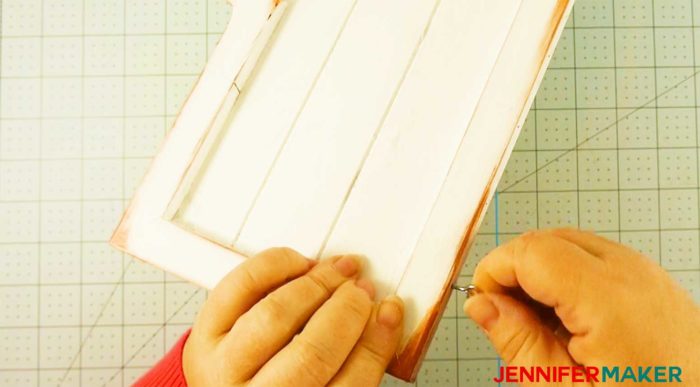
(516, 332)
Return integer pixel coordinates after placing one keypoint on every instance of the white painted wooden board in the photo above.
(353, 122)
(371, 127)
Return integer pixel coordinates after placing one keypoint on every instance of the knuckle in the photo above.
(270, 311)
(318, 283)
(355, 303)
(315, 359)
(283, 252)
(247, 280)
(373, 355)
(533, 236)
(571, 230)
(563, 232)
(532, 241)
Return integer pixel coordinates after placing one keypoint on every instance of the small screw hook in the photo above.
(469, 290)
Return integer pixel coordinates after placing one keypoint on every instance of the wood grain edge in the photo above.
(407, 363)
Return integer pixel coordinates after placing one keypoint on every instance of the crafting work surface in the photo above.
(89, 88)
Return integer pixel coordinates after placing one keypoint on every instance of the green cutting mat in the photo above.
(88, 88)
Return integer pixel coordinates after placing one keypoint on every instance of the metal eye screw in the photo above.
(469, 290)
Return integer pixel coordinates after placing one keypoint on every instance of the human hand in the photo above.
(612, 306)
(279, 319)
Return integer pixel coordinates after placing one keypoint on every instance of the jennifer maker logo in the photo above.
(589, 374)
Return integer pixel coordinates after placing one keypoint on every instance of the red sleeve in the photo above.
(168, 371)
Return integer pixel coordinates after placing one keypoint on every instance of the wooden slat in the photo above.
(393, 195)
(263, 116)
(305, 190)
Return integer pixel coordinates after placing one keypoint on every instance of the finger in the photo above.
(366, 364)
(549, 269)
(552, 271)
(269, 325)
(516, 332)
(318, 352)
(245, 286)
(594, 244)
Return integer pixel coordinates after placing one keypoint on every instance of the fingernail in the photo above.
(390, 312)
(366, 286)
(347, 265)
(482, 311)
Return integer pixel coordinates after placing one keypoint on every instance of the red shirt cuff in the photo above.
(168, 372)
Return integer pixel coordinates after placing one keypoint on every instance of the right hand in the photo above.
(612, 305)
